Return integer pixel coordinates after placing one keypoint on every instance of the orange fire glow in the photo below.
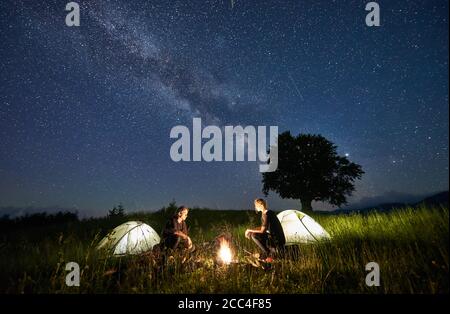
(225, 255)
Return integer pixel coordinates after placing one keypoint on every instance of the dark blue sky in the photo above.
(85, 112)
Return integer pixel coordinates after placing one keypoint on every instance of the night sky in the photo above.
(86, 112)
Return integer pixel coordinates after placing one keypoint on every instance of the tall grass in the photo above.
(411, 247)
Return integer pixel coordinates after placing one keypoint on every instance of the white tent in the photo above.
(132, 237)
(300, 228)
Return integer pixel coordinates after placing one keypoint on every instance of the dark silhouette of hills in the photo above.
(435, 200)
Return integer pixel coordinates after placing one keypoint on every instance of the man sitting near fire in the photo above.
(270, 236)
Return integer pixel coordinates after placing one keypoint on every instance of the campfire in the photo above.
(224, 254)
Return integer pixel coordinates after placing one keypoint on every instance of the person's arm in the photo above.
(248, 232)
(181, 231)
(181, 234)
(184, 232)
(261, 229)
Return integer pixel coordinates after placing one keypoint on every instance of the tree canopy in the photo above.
(309, 169)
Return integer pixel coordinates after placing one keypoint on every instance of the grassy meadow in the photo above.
(410, 246)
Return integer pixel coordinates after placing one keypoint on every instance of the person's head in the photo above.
(182, 212)
(260, 205)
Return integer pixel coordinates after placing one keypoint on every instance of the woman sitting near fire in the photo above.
(175, 233)
(270, 236)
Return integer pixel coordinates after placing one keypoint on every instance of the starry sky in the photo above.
(86, 112)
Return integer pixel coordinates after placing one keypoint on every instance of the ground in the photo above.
(409, 245)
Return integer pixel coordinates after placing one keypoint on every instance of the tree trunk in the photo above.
(306, 206)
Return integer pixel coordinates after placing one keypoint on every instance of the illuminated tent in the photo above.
(300, 228)
(132, 237)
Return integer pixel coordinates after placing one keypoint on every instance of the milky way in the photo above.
(86, 111)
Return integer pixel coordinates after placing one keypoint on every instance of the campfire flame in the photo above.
(225, 255)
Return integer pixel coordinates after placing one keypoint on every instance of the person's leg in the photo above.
(171, 242)
(275, 247)
(167, 245)
(177, 242)
(261, 241)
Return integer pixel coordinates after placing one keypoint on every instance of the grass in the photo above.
(410, 246)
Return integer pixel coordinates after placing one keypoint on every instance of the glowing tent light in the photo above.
(132, 237)
(298, 227)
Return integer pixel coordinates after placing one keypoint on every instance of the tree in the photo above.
(309, 169)
(118, 211)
